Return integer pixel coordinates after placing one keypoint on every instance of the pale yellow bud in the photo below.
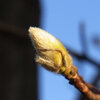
(51, 53)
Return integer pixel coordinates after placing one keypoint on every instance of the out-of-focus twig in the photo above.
(83, 57)
(14, 32)
(96, 41)
(83, 38)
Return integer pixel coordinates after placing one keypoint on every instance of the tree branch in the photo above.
(80, 84)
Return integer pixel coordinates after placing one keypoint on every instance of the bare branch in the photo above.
(80, 84)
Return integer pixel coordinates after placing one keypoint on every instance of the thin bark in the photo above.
(80, 84)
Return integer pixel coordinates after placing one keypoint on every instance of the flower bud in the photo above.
(51, 54)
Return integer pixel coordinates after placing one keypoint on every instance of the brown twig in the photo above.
(92, 88)
(80, 84)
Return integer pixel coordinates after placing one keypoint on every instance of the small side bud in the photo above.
(51, 54)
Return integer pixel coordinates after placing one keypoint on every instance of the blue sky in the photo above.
(61, 18)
